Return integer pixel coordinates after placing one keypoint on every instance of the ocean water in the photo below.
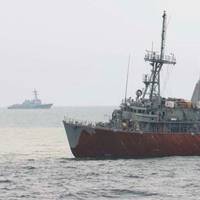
(36, 163)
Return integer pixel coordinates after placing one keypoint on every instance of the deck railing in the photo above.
(79, 122)
(153, 56)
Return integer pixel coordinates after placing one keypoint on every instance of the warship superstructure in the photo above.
(35, 103)
(147, 126)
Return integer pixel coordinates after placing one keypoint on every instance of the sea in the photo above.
(36, 163)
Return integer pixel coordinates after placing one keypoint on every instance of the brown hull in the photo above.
(99, 142)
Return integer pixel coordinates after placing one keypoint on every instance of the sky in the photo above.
(75, 52)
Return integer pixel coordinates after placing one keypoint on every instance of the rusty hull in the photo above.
(101, 142)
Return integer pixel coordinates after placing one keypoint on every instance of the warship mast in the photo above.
(35, 94)
(156, 60)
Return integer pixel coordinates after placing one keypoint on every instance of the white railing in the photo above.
(79, 122)
(155, 57)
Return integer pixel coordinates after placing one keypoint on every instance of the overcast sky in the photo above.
(75, 52)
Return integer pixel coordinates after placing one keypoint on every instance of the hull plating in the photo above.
(99, 142)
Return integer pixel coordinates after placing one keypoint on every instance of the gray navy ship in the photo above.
(35, 103)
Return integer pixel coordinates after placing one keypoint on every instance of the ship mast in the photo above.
(35, 94)
(156, 60)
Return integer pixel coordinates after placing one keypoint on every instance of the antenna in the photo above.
(127, 76)
(152, 46)
(162, 50)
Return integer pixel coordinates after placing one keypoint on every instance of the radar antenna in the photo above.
(156, 60)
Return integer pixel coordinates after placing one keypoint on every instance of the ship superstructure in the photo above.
(149, 125)
(35, 103)
(150, 112)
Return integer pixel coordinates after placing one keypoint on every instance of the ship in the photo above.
(147, 125)
(34, 103)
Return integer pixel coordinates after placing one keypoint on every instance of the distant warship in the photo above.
(146, 126)
(31, 104)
